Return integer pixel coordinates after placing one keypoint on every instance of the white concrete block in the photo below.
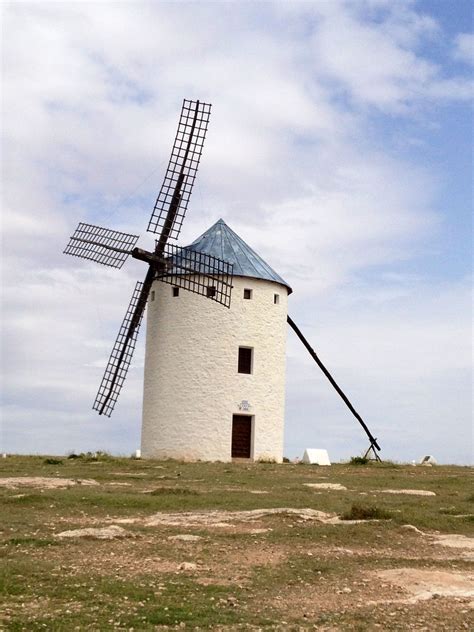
(316, 456)
(428, 459)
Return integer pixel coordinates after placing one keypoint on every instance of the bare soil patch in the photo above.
(223, 518)
(44, 482)
(111, 532)
(425, 584)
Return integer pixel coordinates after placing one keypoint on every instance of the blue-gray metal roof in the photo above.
(221, 241)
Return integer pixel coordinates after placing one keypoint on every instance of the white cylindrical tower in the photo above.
(214, 386)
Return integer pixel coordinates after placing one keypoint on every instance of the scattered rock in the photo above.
(222, 518)
(258, 491)
(409, 492)
(340, 549)
(412, 528)
(185, 537)
(111, 532)
(335, 486)
(44, 482)
(187, 566)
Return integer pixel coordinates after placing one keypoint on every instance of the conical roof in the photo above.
(220, 241)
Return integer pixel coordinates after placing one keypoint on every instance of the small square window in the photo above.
(247, 293)
(152, 295)
(211, 291)
(175, 291)
(276, 299)
(245, 360)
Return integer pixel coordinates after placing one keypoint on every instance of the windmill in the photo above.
(212, 266)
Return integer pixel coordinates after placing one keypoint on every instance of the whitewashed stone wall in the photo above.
(192, 387)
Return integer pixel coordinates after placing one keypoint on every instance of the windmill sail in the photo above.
(199, 273)
(172, 202)
(105, 246)
(122, 352)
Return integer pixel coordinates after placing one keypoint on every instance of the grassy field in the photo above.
(274, 570)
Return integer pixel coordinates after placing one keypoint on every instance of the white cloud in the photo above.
(375, 61)
(464, 47)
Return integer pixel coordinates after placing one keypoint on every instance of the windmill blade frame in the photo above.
(102, 245)
(122, 353)
(172, 201)
(199, 273)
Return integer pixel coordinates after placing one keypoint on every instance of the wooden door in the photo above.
(241, 436)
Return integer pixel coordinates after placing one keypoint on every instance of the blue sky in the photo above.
(340, 148)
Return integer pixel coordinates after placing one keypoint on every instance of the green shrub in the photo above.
(100, 455)
(173, 491)
(51, 461)
(366, 512)
(358, 460)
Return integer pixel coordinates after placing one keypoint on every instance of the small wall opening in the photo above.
(276, 299)
(211, 291)
(245, 363)
(175, 291)
(247, 293)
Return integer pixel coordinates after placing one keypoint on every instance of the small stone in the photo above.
(185, 537)
(187, 566)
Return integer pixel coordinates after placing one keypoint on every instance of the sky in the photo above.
(339, 148)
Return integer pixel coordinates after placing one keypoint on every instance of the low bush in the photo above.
(100, 455)
(173, 491)
(366, 512)
(358, 460)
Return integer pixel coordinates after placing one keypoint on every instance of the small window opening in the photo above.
(175, 291)
(245, 360)
(211, 291)
(152, 295)
(276, 299)
(247, 293)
